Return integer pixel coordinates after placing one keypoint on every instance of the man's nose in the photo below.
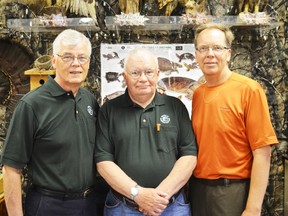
(75, 61)
(143, 76)
(210, 52)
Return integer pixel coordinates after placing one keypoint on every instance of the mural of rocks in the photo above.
(260, 51)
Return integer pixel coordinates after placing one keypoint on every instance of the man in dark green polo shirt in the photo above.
(52, 131)
(145, 146)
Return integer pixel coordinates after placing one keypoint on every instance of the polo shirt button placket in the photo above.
(143, 120)
(76, 114)
(143, 123)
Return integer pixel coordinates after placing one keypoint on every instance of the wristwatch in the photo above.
(134, 191)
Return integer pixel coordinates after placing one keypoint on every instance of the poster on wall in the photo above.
(179, 72)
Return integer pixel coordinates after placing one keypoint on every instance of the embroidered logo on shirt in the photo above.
(90, 110)
(165, 119)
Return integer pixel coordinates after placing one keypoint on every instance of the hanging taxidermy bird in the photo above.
(169, 5)
(129, 6)
(79, 7)
(251, 6)
(192, 8)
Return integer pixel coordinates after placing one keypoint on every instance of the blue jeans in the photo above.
(114, 207)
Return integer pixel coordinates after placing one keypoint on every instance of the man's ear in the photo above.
(229, 56)
(124, 76)
(158, 72)
(53, 60)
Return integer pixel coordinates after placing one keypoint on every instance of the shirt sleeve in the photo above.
(18, 145)
(259, 128)
(187, 142)
(103, 148)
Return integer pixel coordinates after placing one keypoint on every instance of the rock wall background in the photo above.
(259, 52)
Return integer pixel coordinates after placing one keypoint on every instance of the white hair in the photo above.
(70, 37)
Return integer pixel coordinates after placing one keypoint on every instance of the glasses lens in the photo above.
(82, 59)
(149, 74)
(135, 74)
(67, 58)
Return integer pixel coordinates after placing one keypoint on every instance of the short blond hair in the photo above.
(225, 29)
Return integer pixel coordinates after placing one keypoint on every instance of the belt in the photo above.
(131, 203)
(223, 181)
(63, 195)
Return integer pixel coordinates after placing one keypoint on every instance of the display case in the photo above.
(52, 25)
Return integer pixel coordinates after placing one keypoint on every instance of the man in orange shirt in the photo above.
(231, 121)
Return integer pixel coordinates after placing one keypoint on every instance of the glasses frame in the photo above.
(74, 57)
(205, 49)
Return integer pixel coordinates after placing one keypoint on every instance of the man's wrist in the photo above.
(134, 191)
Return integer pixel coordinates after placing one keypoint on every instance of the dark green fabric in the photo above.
(54, 133)
(126, 134)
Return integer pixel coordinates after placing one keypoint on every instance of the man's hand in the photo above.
(251, 213)
(151, 201)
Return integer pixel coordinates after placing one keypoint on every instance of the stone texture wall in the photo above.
(259, 52)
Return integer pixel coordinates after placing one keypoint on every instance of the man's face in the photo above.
(141, 75)
(69, 70)
(214, 60)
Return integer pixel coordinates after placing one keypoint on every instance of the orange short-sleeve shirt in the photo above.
(230, 121)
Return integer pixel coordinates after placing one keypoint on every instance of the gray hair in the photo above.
(70, 37)
(139, 52)
(225, 29)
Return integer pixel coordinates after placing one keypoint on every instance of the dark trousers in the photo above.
(220, 200)
(37, 204)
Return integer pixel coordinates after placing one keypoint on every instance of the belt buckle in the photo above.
(124, 200)
(172, 199)
(226, 182)
(86, 192)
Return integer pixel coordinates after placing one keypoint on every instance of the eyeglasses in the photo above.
(70, 58)
(138, 74)
(217, 49)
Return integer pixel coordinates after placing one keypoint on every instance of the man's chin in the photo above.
(145, 92)
(76, 81)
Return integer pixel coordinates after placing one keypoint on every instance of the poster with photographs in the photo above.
(179, 72)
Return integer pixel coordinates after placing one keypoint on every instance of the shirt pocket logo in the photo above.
(165, 119)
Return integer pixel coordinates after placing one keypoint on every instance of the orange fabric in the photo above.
(230, 120)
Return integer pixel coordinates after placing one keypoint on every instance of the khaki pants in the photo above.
(220, 200)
